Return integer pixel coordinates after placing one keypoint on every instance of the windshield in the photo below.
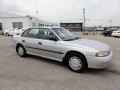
(64, 34)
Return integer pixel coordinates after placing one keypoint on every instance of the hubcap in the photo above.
(20, 51)
(75, 63)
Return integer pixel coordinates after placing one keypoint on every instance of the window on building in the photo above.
(39, 24)
(1, 26)
(77, 25)
(47, 25)
(18, 25)
(70, 25)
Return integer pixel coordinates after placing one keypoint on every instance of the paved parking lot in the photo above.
(35, 73)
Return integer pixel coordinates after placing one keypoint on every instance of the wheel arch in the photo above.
(73, 51)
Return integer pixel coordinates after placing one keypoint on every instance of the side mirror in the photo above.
(53, 38)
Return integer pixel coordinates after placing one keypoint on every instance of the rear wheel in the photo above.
(76, 62)
(21, 51)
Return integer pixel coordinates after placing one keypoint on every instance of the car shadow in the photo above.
(38, 58)
(94, 71)
(63, 65)
(102, 71)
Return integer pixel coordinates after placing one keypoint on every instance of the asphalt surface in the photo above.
(35, 73)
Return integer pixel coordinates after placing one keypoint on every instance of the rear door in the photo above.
(30, 40)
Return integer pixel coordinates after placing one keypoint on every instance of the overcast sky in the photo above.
(99, 12)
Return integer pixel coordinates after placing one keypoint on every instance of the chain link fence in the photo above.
(99, 33)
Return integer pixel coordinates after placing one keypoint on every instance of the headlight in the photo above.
(102, 54)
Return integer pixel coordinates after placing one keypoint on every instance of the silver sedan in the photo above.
(61, 45)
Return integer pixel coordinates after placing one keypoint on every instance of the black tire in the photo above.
(21, 51)
(82, 61)
(7, 34)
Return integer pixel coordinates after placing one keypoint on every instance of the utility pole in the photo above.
(110, 23)
(37, 18)
(84, 19)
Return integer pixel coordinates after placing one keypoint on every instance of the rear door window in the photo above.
(31, 33)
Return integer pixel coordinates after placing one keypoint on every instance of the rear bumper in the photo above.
(99, 62)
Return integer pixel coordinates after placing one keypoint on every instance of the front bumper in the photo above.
(99, 62)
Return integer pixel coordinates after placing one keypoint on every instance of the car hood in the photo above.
(92, 44)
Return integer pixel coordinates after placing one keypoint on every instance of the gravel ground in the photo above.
(35, 73)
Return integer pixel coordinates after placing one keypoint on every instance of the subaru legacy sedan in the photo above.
(56, 43)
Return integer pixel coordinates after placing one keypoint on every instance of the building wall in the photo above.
(28, 21)
(7, 22)
(36, 21)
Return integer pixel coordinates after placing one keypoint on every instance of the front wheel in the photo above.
(21, 51)
(76, 62)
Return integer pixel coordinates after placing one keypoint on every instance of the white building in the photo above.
(12, 21)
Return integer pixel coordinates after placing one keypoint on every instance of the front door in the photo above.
(49, 48)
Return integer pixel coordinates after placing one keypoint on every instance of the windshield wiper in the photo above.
(72, 39)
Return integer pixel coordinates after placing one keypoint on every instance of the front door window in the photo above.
(46, 34)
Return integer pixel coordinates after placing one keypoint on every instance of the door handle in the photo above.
(40, 43)
(23, 40)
